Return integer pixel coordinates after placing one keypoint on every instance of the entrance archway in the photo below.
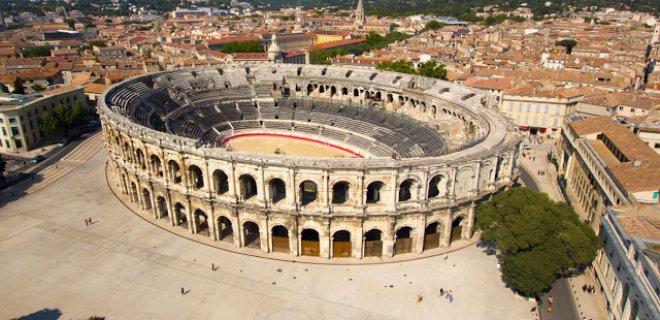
(225, 230)
(277, 190)
(373, 192)
(180, 218)
(431, 236)
(251, 235)
(220, 182)
(405, 190)
(248, 186)
(309, 243)
(403, 243)
(340, 192)
(373, 243)
(201, 222)
(280, 239)
(457, 229)
(308, 192)
(341, 244)
(134, 193)
(161, 207)
(196, 177)
(146, 199)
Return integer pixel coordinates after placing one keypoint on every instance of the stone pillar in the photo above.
(211, 222)
(470, 221)
(421, 228)
(357, 244)
(264, 235)
(446, 233)
(389, 238)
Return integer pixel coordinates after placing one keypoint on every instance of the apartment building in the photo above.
(626, 268)
(19, 116)
(601, 163)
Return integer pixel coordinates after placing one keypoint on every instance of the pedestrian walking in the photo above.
(451, 298)
(498, 266)
(442, 292)
(419, 297)
(550, 300)
(183, 291)
(86, 223)
(212, 266)
(584, 288)
(446, 256)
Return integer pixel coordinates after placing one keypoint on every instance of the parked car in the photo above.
(64, 142)
(38, 159)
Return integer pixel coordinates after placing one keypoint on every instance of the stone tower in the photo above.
(274, 51)
(360, 19)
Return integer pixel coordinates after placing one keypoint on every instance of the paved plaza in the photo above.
(123, 267)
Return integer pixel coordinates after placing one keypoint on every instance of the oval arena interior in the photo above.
(307, 160)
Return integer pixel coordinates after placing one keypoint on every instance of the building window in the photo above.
(520, 107)
(536, 120)
(7, 144)
(632, 110)
(14, 131)
(547, 107)
(538, 108)
(12, 120)
(510, 106)
(526, 119)
(517, 119)
(2, 120)
(555, 123)
(544, 121)
(19, 144)
(529, 107)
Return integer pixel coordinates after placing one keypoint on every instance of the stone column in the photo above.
(211, 222)
(470, 222)
(446, 233)
(264, 235)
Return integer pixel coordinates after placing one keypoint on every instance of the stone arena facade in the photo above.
(164, 133)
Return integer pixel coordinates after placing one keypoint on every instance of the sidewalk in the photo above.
(589, 305)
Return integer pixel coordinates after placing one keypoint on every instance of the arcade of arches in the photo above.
(379, 236)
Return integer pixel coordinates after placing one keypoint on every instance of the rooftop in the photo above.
(640, 168)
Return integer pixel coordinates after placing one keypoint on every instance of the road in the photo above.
(563, 307)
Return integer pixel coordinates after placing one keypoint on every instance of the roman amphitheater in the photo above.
(295, 160)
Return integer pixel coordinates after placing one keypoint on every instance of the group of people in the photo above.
(446, 294)
(588, 289)
(88, 222)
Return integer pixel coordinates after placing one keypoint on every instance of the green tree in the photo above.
(48, 124)
(36, 52)
(432, 69)
(18, 86)
(77, 113)
(393, 26)
(537, 239)
(397, 66)
(63, 116)
(37, 87)
(71, 23)
(433, 25)
(569, 44)
(244, 46)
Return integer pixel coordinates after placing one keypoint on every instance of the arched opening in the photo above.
(310, 89)
(309, 243)
(220, 182)
(341, 244)
(124, 182)
(140, 159)
(373, 243)
(127, 152)
(180, 218)
(405, 190)
(248, 186)
(196, 177)
(251, 235)
(340, 191)
(277, 190)
(308, 192)
(434, 186)
(146, 199)
(333, 91)
(403, 243)
(134, 193)
(457, 229)
(356, 92)
(161, 208)
(175, 171)
(156, 166)
(201, 222)
(373, 191)
(344, 91)
(280, 239)
(225, 230)
(432, 236)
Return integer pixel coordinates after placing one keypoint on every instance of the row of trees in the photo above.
(62, 119)
(244, 46)
(430, 68)
(373, 41)
(538, 239)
